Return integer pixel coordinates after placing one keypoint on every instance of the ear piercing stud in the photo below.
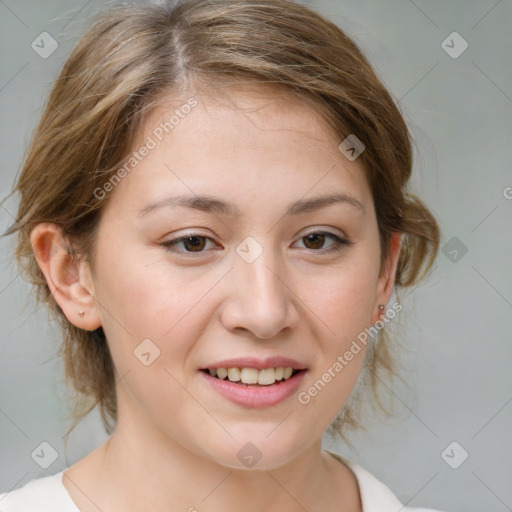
(381, 311)
(81, 314)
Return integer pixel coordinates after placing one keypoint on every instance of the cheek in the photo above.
(344, 297)
(151, 302)
(155, 318)
(343, 302)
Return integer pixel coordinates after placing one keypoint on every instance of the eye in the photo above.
(193, 243)
(315, 240)
(196, 243)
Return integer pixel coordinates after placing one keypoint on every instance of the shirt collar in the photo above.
(375, 496)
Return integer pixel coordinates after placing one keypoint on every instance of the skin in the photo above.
(176, 441)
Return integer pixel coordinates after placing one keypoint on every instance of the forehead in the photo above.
(240, 139)
(247, 110)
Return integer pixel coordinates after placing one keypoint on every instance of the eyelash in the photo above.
(339, 243)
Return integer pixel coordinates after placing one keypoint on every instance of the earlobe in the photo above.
(62, 272)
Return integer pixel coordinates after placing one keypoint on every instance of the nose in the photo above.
(259, 298)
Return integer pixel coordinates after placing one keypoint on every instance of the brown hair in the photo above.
(129, 59)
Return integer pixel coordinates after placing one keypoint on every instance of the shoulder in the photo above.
(375, 496)
(46, 494)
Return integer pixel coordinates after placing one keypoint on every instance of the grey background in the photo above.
(457, 324)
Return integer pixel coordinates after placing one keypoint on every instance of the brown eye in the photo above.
(196, 243)
(192, 243)
(315, 242)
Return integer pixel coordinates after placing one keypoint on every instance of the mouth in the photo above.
(247, 376)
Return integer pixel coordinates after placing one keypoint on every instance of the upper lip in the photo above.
(254, 362)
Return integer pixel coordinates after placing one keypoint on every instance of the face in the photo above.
(255, 276)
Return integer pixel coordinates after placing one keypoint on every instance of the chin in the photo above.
(255, 453)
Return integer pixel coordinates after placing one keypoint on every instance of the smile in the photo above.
(252, 387)
(253, 376)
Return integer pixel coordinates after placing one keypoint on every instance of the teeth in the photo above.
(266, 377)
(249, 375)
(234, 374)
(253, 375)
(222, 373)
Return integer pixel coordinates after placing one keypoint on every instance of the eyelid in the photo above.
(326, 231)
(191, 234)
(340, 241)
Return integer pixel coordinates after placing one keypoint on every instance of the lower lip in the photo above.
(255, 396)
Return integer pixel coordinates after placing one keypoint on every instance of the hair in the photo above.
(133, 57)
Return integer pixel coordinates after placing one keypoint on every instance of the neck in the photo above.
(146, 470)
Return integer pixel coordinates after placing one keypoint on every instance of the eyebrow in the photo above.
(212, 204)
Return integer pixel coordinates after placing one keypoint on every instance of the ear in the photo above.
(386, 279)
(69, 279)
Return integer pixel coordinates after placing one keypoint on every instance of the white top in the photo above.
(48, 494)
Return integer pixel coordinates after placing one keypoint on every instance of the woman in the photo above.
(214, 208)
